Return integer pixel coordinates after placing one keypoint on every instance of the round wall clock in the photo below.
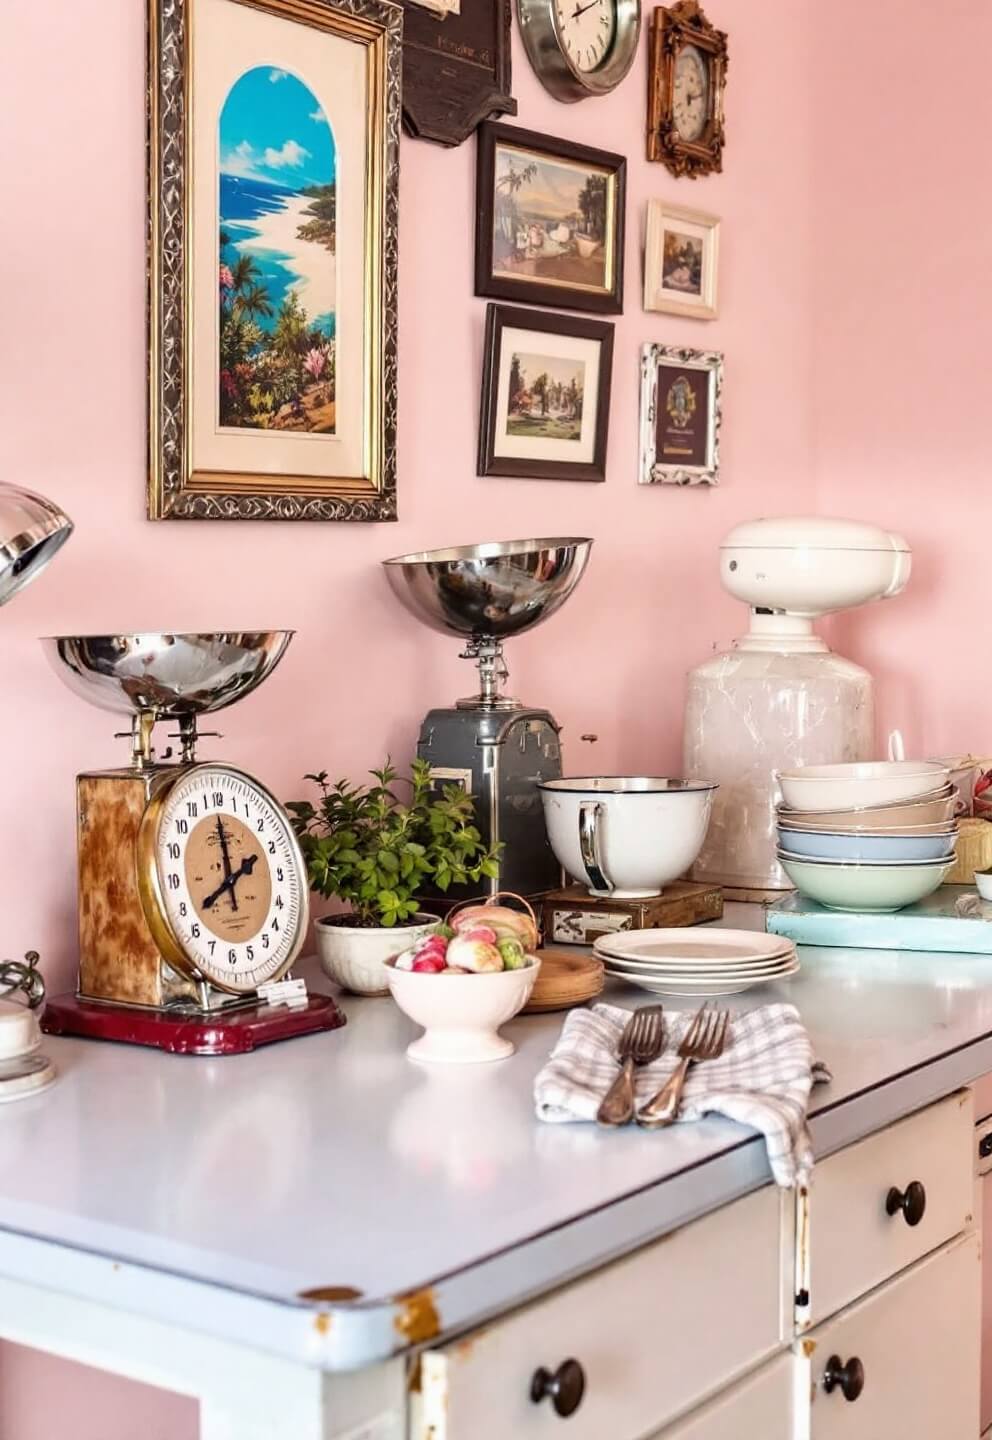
(222, 880)
(580, 47)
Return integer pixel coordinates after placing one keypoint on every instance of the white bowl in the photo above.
(872, 888)
(983, 884)
(626, 836)
(355, 956)
(874, 782)
(461, 1014)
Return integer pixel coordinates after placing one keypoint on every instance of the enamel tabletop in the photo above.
(329, 1201)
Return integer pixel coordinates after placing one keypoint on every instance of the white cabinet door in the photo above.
(643, 1340)
(916, 1341)
(758, 1408)
(855, 1243)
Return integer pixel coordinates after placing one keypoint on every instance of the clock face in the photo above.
(587, 30)
(691, 100)
(232, 882)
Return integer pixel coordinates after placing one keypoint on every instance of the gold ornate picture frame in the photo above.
(273, 161)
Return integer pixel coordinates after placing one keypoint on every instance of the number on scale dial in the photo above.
(587, 29)
(231, 879)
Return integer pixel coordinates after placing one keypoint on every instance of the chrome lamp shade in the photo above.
(32, 529)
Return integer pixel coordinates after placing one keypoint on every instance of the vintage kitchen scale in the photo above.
(491, 744)
(193, 894)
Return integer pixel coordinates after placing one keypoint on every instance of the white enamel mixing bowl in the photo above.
(626, 836)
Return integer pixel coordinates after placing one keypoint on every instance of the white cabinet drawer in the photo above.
(854, 1243)
(917, 1341)
(654, 1334)
(760, 1406)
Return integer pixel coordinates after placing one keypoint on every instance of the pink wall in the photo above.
(360, 672)
(902, 260)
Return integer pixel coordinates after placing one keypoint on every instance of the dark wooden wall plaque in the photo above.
(456, 69)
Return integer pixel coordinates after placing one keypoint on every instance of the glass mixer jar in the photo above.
(750, 713)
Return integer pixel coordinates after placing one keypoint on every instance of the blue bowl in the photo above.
(895, 849)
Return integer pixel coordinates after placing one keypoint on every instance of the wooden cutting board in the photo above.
(565, 979)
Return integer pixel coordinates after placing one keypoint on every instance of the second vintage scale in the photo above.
(193, 892)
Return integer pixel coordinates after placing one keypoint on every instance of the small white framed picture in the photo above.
(681, 254)
(681, 411)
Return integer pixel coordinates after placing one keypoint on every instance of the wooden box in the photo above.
(574, 917)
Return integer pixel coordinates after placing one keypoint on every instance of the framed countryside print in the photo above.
(680, 261)
(680, 416)
(545, 395)
(273, 161)
(549, 221)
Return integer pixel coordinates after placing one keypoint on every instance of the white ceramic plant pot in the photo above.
(355, 956)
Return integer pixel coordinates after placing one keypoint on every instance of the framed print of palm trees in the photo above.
(549, 221)
(273, 162)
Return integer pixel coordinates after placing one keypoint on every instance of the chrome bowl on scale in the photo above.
(155, 675)
(496, 748)
(488, 592)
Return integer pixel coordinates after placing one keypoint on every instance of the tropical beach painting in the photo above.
(277, 257)
(550, 219)
(545, 397)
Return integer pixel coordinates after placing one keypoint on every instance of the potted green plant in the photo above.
(366, 846)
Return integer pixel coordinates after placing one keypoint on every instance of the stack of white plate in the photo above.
(697, 962)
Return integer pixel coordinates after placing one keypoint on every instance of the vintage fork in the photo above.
(641, 1042)
(704, 1040)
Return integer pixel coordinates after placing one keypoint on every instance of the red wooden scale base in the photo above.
(233, 1033)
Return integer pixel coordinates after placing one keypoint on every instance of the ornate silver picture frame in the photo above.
(680, 415)
(273, 165)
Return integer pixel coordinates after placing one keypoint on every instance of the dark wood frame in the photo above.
(685, 24)
(456, 69)
(535, 292)
(498, 317)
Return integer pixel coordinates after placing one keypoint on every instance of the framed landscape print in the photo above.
(273, 161)
(545, 395)
(680, 261)
(549, 221)
(680, 416)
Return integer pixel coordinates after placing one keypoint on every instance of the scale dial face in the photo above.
(229, 885)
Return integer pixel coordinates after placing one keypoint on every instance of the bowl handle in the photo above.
(589, 815)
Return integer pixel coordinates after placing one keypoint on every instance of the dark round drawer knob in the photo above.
(912, 1202)
(849, 1379)
(564, 1387)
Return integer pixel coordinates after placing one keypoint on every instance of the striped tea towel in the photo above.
(762, 1079)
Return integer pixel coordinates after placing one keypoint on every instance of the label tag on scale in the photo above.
(284, 992)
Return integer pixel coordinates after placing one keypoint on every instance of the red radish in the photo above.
(429, 965)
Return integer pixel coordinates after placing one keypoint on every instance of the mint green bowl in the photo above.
(875, 889)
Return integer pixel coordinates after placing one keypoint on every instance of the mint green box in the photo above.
(933, 924)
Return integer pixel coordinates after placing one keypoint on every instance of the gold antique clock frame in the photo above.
(671, 30)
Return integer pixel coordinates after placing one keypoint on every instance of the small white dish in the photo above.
(983, 883)
(461, 1014)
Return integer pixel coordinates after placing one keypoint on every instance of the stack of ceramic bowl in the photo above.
(873, 836)
(696, 962)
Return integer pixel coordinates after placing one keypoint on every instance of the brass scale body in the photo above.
(127, 956)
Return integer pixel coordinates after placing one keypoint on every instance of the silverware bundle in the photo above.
(641, 1042)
